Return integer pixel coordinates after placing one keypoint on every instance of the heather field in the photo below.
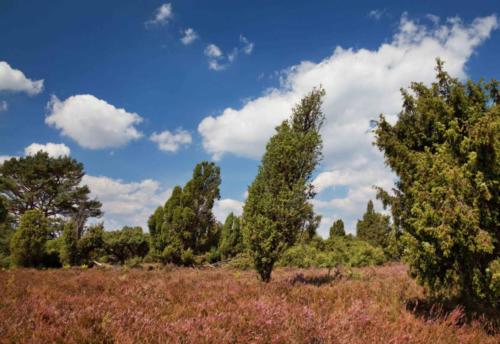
(218, 305)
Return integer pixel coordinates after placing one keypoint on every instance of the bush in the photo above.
(28, 242)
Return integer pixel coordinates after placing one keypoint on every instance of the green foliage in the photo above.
(51, 185)
(337, 229)
(231, 240)
(27, 245)
(185, 226)
(277, 208)
(339, 250)
(69, 248)
(6, 232)
(445, 149)
(91, 245)
(374, 227)
(130, 242)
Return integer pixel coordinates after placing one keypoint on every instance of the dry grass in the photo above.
(220, 306)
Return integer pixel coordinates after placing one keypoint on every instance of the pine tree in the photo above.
(277, 208)
(374, 227)
(337, 229)
(445, 149)
(28, 242)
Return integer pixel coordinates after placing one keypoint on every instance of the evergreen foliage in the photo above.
(127, 243)
(277, 208)
(445, 149)
(337, 229)
(51, 185)
(185, 226)
(231, 239)
(374, 227)
(69, 250)
(28, 242)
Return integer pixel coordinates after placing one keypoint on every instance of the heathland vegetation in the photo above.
(442, 221)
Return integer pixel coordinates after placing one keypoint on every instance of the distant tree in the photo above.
(337, 229)
(129, 242)
(51, 185)
(231, 241)
(69, 248)
(445, 150)
(277, 208)
(28, 242)
(186, 226)
(91, 244)
(374, 227)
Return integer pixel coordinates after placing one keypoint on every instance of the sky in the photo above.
(140, 91)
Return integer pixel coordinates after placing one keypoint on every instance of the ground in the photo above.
(217, 305)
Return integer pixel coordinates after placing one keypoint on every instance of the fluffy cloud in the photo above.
(92, 122)
(171, 142)
(4, 106)
(188, 36)
(126, 203)
(223, 207)
(162, 15)
(54, 150)
(213, 51)
(359, 84)
(14, 80)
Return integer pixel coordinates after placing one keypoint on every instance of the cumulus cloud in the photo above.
(213, 51)
(54, 150)
(223, 207)
(126, 203)
(4, 106)
(188, 36)
(171, 142)
(162, 15)
(92, 122)
(14, 80)
(359, 84)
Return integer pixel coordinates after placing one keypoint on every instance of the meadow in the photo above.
(169, 304)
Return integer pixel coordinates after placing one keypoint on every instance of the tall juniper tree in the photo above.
(186, 226)
(277, 208)
(445, 149)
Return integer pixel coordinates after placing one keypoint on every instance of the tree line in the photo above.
(444, 222)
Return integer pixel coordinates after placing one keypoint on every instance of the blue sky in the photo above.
(140, 91)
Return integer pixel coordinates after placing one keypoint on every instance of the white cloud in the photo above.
(213, 51)
(162, 15)
(359, 84)
(376, 14)
(171, 142)
(92, 122)
(247, 45)
(223, 207)
(14, 80)
(188, 36)
(4, 106)
(217, 61)
(126, 203)
(54, 150)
